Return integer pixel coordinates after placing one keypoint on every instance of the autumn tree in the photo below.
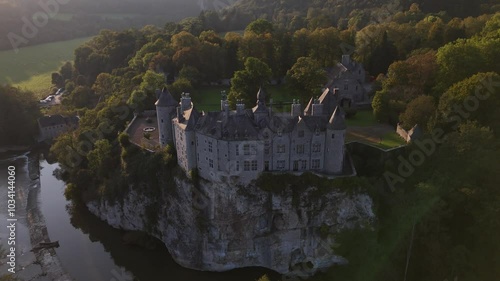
(475, 98)
(246, 82)
(306, 77)
(418, 112)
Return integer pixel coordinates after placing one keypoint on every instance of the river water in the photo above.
(89, 248)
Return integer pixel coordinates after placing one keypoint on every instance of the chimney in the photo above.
(346, 60)
(185, 101)
(226, 110)
(336, 93)
(240, 107)
(219, 128)
(180, 115)
(296, 108)
(317, 108)
(223, 100)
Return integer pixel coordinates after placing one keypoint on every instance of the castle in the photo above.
(240, 145)
(350, 76)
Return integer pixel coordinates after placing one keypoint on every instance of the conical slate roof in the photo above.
(166, 99)
(261, 95)
(337, 121)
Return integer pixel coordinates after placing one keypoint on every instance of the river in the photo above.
(89, 248)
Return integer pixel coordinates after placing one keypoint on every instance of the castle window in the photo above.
(266, 147)
(237, 150)
(281, 164)
(301, 134)
(300, 148)
(162, 120)
(211, 163)
(249, 149)
(281, 148)
(254, 165)
(333, 136)
(304, 165)
(210, 146)
(246, 166)
(315, 164)
(316, 147)
(237, 166)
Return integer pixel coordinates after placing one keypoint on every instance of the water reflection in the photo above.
(143, 263)
(92, 250)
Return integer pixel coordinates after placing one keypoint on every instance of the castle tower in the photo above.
(335, 139)
(165, 112)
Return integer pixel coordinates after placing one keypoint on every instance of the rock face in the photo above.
(219, 227)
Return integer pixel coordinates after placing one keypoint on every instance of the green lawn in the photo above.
(363, 118)
(208, 97)
(391, 140)
(31, 67)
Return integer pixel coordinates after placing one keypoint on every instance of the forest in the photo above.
(436, 69)
(19, 111)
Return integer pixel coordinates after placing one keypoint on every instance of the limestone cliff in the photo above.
(218, 226)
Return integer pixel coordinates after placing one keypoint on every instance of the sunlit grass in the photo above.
(391, 140)
(31, 67)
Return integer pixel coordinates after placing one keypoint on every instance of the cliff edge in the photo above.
(218, 226)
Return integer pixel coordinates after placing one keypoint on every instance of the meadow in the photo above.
(31, 67)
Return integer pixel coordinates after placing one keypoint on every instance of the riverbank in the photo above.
(41, 265)
(47, 258)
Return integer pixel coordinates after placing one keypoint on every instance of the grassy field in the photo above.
(363, 118)
(31, 67)
(391, 140)
(208, 98)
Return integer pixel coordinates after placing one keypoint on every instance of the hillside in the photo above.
(25, 23)
(341, 13)
(31, 68)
